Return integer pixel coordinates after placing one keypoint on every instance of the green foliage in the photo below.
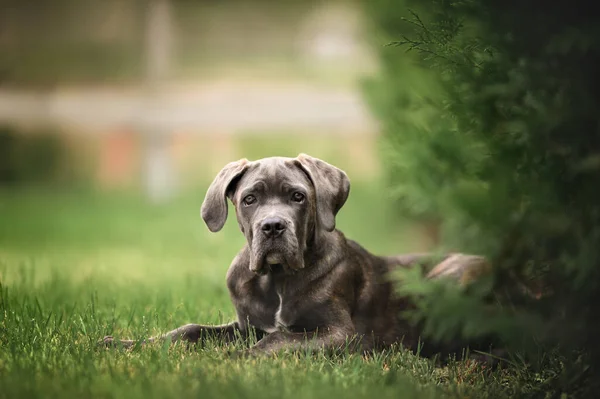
(406, 99)
(507, 159)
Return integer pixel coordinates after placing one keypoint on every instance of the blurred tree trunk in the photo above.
(158, 168)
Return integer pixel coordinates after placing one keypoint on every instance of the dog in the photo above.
(298, 283)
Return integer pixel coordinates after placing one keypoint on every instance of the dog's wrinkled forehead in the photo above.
(329, 185)
(273, 175)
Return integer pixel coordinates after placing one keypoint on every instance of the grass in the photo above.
(75, 267)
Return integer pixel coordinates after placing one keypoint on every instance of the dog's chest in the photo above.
(283, 317)
(271, 307)
(292, 315)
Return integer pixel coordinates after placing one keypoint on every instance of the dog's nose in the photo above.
(273, 227)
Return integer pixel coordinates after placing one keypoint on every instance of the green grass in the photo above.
(75, 267)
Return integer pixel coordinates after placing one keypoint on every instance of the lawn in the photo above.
(77, 266)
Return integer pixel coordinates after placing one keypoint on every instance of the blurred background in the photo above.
(157, 94)
(116, 115)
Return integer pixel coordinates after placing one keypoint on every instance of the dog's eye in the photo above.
(249, 200)
(298, 197)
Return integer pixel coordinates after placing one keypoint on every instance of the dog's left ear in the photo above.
(332, 187)
(214, 207)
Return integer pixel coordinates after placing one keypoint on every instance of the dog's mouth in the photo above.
(277, 268)
(275, 262)
(279, 255)
(274, 258)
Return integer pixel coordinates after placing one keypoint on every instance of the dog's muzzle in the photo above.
(275, 247)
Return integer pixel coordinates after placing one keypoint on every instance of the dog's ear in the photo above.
(214, 207)
(332, 187)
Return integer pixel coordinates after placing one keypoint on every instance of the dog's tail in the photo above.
(425, 260)
(463, 268)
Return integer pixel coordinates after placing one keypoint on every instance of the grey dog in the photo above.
(299, 283)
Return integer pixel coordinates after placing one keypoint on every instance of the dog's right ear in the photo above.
(214, 207)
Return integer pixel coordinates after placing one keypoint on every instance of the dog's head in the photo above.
(282, 204)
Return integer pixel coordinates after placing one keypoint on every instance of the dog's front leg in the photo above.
(329, 340)
(190, 333)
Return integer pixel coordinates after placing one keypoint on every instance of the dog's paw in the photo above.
(110, 342)
(107, 342)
